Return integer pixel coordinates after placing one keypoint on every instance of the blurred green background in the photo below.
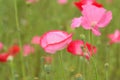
(45, 15)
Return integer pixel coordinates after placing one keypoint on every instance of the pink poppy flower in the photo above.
(76, 22)
(53, 41)
(84, 2)
(94, 18)
(27, 49)
(78, 47)
(115, 37)
(62, 1)
(35, 40)
(1, 45)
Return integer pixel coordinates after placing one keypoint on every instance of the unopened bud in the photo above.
(82, 36)
(47, 68)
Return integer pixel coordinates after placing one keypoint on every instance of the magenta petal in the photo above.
(76, 22)
(105, 20)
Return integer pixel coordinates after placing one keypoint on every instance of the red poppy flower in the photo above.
(75, 47)
(83, 2)
(13, 50)
(78, 47)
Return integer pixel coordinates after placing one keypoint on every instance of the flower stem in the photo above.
(93, 60)
(19, 37)
(12, 70)
(62, 65)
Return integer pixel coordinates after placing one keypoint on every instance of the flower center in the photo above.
(93, 23)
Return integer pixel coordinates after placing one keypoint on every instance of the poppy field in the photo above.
(59, 40)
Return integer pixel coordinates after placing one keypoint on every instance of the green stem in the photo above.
(93, 60)
(19, 37)
(62, 65)
(106, 75)
(12, 70)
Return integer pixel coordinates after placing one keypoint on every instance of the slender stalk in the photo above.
(12, 70)
(19, 37)
(93, 60)
(106, 75)
(62, 65)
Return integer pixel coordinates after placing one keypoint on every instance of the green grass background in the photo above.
(38, 18)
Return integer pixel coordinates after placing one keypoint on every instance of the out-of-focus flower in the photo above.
(48, 59)
(84, 2)
(35, 40)
(4, 57)
(109, 1)
(76, 22)
(1, 45)
(27, 49)
(13, 50)
(80, 48)
(31, 1)
(56, 40)
(115, 37)
(94, 18)
(62, 1)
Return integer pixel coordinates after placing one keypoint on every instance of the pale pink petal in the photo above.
(36, 40)
(96, 31)
(53, 41)
(62, 1)
(93, 13)
(85, 23)
(27, 49)
(115, 37)
(52, 48)
(105, 20)
(76, 22)
(31, 1)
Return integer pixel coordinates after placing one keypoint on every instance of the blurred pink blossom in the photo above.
(1, 45)
(35, 40)
(56, 40)
(62, 1)
(27, 49)
(31, 1)
(115, 37)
